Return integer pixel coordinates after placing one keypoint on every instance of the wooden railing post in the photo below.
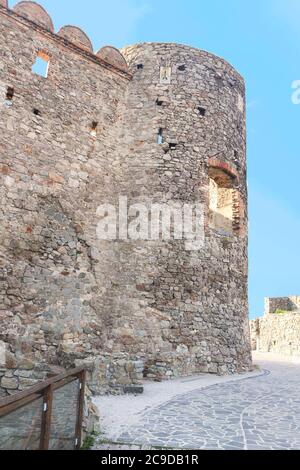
(45, 391)
(46, 421)
(80, 408)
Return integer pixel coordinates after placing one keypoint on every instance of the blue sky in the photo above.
(261, 39)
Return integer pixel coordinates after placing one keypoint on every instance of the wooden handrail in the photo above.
(39, 387)
(45, 392)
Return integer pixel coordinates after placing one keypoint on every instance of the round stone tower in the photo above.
(183, 310)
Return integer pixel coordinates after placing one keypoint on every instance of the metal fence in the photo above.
(47, 416)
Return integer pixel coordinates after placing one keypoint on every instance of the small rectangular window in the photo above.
(202, 111)
(94, 127)
(41, 65)
(160, 138)
(10, 93)
(165, 75)
(9, 96)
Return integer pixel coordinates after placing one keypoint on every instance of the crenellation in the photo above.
(113, 56)
(283, 304)
(77, 36)
(35, 13)
(71, 37)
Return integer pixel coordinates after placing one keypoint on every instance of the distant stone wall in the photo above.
(278, 333)
(288, 304)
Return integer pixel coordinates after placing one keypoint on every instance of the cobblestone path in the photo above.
(255, 413)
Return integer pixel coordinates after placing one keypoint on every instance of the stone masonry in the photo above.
(153, 123)
(278, 331)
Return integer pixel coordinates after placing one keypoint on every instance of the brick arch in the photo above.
(113, 56)
(226, 167)
(77, 36)
(3, 3)
(34, 12)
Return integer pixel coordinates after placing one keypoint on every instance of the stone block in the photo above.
(9, 383)
(133, 389)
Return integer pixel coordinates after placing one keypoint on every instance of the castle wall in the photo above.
(278, 333)
(286, 304)
(53, 174)
(82, 137)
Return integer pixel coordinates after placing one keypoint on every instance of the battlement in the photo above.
(282, 304)
(35, 16)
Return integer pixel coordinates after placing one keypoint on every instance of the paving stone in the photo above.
(255, 413)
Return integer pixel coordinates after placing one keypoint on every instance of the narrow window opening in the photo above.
(172, 146)
(202, 111)
(140, 66)
(236, 154)
(94, 128)
(160, 138)
(41, 65)
(182, 68)
(159, 102)
(36, 111)
(165, 75)
(223, 208)
(10, 93)
(9, 96)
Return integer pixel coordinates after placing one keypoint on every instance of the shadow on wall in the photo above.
(220, 223)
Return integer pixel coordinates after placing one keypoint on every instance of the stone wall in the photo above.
(286, 304)
(84, 136)
(17, 380)
(278, 330)
(52, 180)
(254, 334)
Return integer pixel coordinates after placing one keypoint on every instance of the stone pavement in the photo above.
(256, 412)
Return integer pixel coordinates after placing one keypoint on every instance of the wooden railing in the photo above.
(49, 415)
